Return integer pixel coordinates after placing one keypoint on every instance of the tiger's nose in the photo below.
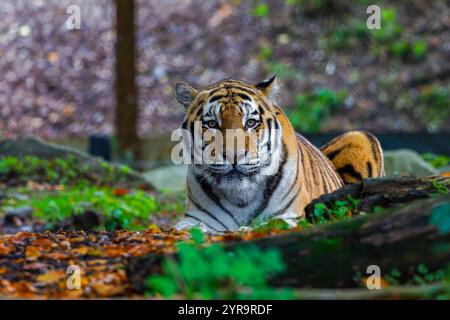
(236, 157)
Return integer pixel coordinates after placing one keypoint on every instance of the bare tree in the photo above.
(126, 114)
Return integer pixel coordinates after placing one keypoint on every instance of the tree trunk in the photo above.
(126, 116)
(336, 255)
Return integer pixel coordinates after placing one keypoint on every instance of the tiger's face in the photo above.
(239, 130)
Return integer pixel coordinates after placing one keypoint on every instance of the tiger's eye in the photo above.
(212, 123)
(250, 123)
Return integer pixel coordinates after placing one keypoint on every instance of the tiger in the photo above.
(228, 196)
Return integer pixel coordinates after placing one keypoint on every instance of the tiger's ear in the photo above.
(269, 87)
(185, 93)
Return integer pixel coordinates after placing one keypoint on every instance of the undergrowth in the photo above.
(212, 272)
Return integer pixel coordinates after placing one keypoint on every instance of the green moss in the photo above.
(65, 171)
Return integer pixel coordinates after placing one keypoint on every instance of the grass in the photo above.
(80, 187)
(211, 272)
(122, 209)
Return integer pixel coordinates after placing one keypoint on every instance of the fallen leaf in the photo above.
(51, 276)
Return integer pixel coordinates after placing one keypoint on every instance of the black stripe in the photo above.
(277, 126)
(244, 96)
(269, 141)
(334, 153)
(350, 170)
(373, 145)
(261, 109)
(288, 204)
(272, 183)
(199, 207)
(326, 187)
(215, 98)
(206, 188)
(296, 174)
(199, 112)
(191, 216)
(239, 88)
(326, 179)
(215, 90)
(369, 169)
(336, 179)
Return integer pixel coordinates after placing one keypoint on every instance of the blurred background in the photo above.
(336, 74)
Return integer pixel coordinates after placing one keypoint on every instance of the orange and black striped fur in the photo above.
(288, 172)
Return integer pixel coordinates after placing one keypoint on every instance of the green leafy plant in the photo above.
(336, 211)
(69, 170)
(421, 275)
(311, 109)
(273, 224)
(260, 10)
(211, 272)
(390, 40)
(130, 210)
(436, 160)
(433, 106)
(441, 189)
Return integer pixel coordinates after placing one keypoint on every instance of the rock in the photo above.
(34, 146)
(17, 216)
(168, 178)
(444, 169)
(87, 221)
(39, 148)
(405, 161)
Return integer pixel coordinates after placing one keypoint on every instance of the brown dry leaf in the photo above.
(6, 286)
(220, 15)
(32, 252)
(68, 110)
(139, 249)
(97, 262)
(115, 252)
(3, 270)
(56, 256)
(80, 250)
(4, 250)
(72, 294)
(25, 288)
(77, 239)
(44, 243)
(109, 290)
(51, 276)
(153, 228)
(52, 57)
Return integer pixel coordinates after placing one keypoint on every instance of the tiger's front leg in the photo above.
(189, 222)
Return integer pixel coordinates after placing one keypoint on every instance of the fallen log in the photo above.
(384, 192)
(336, 255)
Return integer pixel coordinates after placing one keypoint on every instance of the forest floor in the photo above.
(58, 82)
